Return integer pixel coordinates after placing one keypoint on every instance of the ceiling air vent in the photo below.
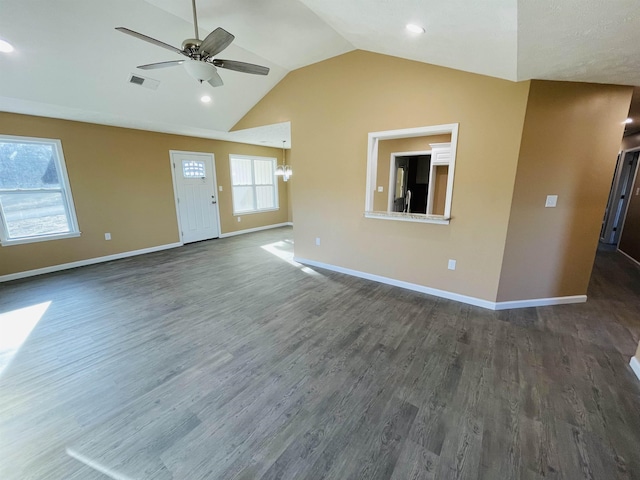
(145, 82)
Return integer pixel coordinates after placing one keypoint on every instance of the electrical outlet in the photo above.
(107, 236)
(317, 241)
(451, 265)
(380, 189)
(552, 201)
(239, 219)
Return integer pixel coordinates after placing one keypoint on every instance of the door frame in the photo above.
(214, 179)
(393, 172)
(633, 182)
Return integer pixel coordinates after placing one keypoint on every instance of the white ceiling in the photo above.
(71, 63)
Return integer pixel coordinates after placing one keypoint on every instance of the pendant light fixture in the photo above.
(284, 170)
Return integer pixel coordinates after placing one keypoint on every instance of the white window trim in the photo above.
(65, 190)
(275, 184)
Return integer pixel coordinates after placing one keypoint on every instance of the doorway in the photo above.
(194, 187)
(408, 182)
(619, 196)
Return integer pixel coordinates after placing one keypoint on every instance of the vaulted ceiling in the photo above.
(69, 61)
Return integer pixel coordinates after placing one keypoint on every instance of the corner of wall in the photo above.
(549, 252)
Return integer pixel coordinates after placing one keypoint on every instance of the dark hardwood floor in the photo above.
(221, 360)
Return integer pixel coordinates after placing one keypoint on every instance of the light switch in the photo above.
(317, 241)
(220, 188)
(380, 189)
(107, 236)
(552, 201)
(452, 265)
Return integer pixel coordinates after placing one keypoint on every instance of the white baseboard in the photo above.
(540, 302)
(635, 366)
(478, 302)
(89, 261)
(629, 257)
(256, 229)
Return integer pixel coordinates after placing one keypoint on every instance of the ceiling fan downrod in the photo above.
(195, 18)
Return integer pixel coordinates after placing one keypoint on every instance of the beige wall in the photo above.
(121, 183)
(385, 149)
(332, 105)
(569, 147)
(440, 190)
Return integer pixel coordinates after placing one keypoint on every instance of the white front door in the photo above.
(195, 191)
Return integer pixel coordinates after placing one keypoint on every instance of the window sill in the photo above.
(44, 238)
(253, 212)
(409, 217)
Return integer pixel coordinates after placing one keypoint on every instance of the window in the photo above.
(253, 182)
(35, 198)
(193, 169)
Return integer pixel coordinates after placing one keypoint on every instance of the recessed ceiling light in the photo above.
(629, 120)
(413, 28)
(5, 47)
(205, 99)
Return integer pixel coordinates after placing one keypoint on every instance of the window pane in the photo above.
(264, 172)
(265, 197)
(33, 214)
(241, 171)
(193, 169)
(243, 199)
(28, 165)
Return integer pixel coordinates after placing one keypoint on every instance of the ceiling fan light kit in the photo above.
(201, 64)
(201, 71)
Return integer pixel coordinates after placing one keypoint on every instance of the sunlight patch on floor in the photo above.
(284, 251)
(15, 327)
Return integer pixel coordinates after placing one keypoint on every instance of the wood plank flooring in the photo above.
(221, 360)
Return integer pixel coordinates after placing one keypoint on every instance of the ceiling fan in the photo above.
(201, 63)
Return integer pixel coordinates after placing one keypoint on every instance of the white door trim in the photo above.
(393, 172)
(633, 182)
(175, 188)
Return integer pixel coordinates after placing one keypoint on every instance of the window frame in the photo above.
(372, 168)
(253, 158)
(64, 190)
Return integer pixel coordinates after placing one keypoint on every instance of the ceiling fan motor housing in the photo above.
(191, 44)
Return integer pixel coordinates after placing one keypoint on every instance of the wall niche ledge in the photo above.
(409, 217)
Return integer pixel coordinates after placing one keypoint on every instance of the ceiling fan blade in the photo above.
(153, 66)
(216, 81)
(216, 42)
(241, 66)
(150, 40)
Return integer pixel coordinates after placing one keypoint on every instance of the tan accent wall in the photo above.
(121, 183)
(440, 193)
(332, 105)
(385, 149)
(630, 238)
(569, 147)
